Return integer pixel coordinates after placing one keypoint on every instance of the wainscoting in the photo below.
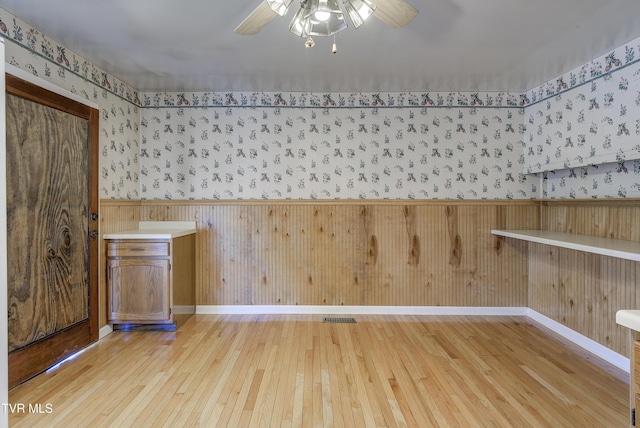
(584, 291)
(405, 253)
(386, 253)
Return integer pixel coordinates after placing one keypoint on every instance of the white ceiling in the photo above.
(452, 45)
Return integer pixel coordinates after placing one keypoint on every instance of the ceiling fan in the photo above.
(394, 13)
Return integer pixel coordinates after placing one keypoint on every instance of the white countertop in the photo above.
(156, 230)
(629, 318)
(629, 250)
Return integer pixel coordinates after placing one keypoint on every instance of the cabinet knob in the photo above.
(94, 216)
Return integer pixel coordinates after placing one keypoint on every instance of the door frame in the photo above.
(45, 353)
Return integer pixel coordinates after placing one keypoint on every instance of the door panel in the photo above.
(51, 192)
(139, 290)
(48, 264)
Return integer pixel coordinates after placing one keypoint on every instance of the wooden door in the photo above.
(52, 208)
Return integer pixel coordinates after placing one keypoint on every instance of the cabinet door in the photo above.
(139, 290)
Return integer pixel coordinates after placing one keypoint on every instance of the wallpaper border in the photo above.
(585, 74)
(337, 100)
(78, 66)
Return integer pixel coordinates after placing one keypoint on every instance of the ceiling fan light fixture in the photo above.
(324, 9)
(325, 19)
(318, 18)
(299, 25)
(359, 10)
(279, 6)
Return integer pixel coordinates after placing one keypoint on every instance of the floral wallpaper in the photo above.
(583, 129)
(572, 137)
(32, 51)
(372, 148)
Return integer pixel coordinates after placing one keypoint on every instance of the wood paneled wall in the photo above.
(431, 253)
(607, 218)
(405, 253)
(584, 291)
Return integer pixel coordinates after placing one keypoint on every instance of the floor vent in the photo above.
(338, 320)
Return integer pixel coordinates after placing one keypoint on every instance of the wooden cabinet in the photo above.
(150, 281)
(139, 290)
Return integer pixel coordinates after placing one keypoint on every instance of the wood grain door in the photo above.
(52, 208)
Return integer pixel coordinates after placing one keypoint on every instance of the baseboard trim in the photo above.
(358, 310)
(573, 336)
(105, 331)
(184, 309)
(584, 342)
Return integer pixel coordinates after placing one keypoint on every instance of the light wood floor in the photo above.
(286, 370)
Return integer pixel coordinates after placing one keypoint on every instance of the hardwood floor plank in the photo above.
(286, 386)
(325, 382)
(380, 385)
(360, 406)
(297, 409)
(292, 371)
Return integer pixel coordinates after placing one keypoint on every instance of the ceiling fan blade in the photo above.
(394, 13)
(257, 20)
